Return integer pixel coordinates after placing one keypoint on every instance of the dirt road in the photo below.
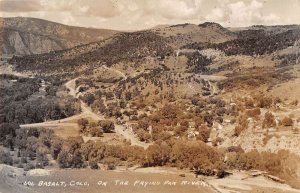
(86, 113)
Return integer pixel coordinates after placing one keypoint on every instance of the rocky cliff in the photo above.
(23, 36)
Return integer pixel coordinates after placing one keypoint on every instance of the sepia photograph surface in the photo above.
(149, 96)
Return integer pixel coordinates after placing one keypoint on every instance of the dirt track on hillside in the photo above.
(86, 113)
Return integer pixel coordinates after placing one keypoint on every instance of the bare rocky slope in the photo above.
(24, 36)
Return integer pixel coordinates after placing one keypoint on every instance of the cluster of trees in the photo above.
(282, 164)
(94, 129)
(287, 60)
(7, 134)
(196, 46)
(254, 77)
(173, 121)
(126, 47)
(132, 47)
(20, 89)
(74, 153)
(197, 63)
(31, 146)
(16, 106)
(194, 155)
(258, 42)
(39, 110)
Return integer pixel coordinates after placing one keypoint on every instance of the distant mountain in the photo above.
(127, 48)
(24, 36)
(276, 29)
(183, 34)
(123, 47)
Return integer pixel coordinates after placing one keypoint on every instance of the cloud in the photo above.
(217, 14)
(88, 8)
(178, 9)
(20, 5)
(141, 14)
(169, 9)
(242, 13)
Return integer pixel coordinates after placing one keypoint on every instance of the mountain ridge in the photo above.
(25, 36)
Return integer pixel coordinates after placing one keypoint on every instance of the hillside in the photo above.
(132, 47)
(124, 47)
(23, 36)
(208, 32)
(196, 97)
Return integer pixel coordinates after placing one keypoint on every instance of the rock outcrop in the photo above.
(24, 36)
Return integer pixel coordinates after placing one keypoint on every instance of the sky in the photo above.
(144, 14)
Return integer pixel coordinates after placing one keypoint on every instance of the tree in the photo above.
(111, 162)
(269, 120)
(8, 129)
(41, 158)
(94, 165)
(96, 132)
(66, 159)
(107, 126)
(153, 156)
(198, 156)
(83, 122)
(63, 159)
(180, 130)
(242, 125)
(86, 149)
(264, 102)
(89, 99)
(143, 135)
(5, 157)
(56, 148)
(250, 160)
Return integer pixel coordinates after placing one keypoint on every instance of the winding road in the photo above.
(88, 113)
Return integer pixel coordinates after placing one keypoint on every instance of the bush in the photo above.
(107, 126)
(287, 122)
(197, 156)
(94, 165)
(265, 102)
(66, 159)
(242, 125)
(28, 167)
(282, 164)
(249, 103)
(204, 133)
(96, 132)
(83, 122)
(111, 162)
(157, 155)
(253, 112)
(5, 158)
(143, 135)
(180, 130)
(269, 120)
